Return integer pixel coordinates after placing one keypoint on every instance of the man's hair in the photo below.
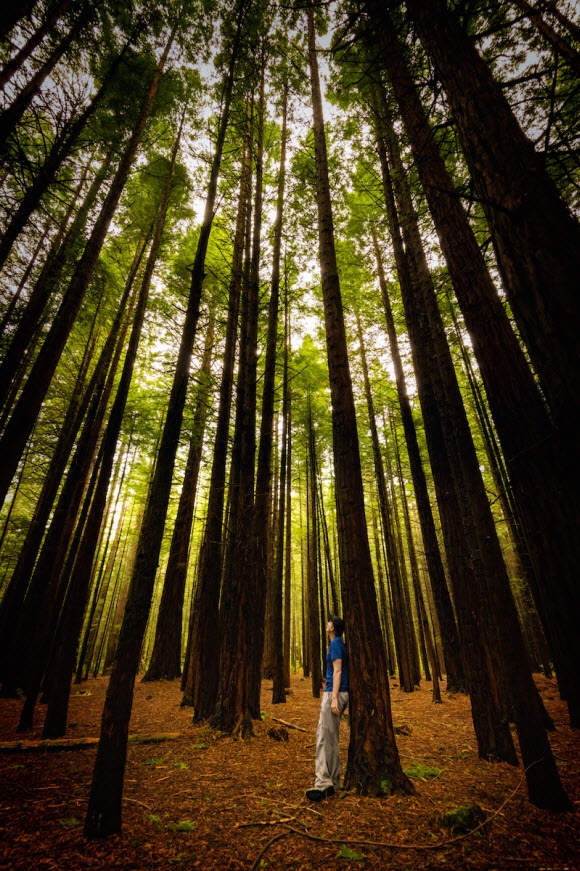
(337, 622)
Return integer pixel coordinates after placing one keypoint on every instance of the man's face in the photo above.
(330, 626)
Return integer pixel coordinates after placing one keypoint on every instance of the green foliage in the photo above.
(419, 771)
(386, 786)
(183, 826)
(463, 819)
(69, 822)
(346, 853)
(155, 762)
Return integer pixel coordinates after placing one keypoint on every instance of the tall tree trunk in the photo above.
(61, 543)
(21, 587)
(495, 598)
(103, 575)
(492, 732)
(60, 150)
(23, 54)
(165, 662)
(13, 113)
(281, 618)
(288, 611)
(78, 584)
(31, 584)
(264, 472)
(401, 618)
(373, 762)
(29, 404)
(456, 679)
(313, 615)
(242, 606)
(104, 811)
(535, 451)
(202, 666)
(536, 238)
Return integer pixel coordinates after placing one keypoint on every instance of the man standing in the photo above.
(334, 701)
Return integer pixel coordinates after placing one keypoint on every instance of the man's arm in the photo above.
(336, 678)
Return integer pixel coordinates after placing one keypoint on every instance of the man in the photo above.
(334, 701)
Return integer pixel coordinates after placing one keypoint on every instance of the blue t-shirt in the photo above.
(337, 650)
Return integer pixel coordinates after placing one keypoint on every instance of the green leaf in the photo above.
(346, 853)
(418, 771)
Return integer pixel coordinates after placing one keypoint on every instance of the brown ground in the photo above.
(205, 801)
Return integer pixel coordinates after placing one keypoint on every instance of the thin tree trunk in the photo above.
(30, 402)
(104, 811)
(44, 288)
(202, 668)
(165, 662)
(60, 150)
(456, 679)
(263, 473)
(78, 584)
(24, 53)
(496, 602)
(313, 616)
(13, 113)
(288, 658)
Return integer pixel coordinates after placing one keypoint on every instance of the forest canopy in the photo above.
(289, 323)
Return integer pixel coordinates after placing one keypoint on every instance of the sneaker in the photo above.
(319, 794)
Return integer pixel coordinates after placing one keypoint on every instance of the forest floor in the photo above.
(205, 801)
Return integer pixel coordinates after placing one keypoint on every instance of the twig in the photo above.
(267, 846)
(391, 845)
(290, 725)
(136, 801)
(264, 823)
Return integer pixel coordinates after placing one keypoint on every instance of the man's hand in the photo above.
(334, 707)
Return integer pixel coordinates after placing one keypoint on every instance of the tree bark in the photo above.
(264, 471)
(495, 599)
(13, 113)
(78, 584)
(202, 667)
(536, 238)
(165, 662)
(534, 449)
(242, 605)
(24, 53)
(29, 404)
(60, 150)
(373, 762)
(456, 679)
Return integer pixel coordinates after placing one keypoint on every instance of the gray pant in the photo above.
(327, 762)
